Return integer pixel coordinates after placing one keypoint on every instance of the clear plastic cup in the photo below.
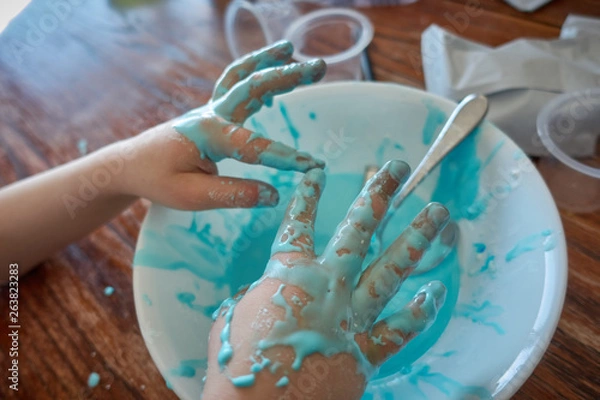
(250, 25)
(570, 124)
(337, 35)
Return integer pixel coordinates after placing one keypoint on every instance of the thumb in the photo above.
(390, 335)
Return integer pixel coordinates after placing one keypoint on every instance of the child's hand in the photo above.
(315, 315)
(174, 163)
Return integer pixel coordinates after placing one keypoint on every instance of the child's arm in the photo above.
(308, 328)
(172, 164)
(46, 212)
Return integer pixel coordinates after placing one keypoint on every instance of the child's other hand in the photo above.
(315, 317)
(174, 163)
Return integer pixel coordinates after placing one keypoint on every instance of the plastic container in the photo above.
(250, 25)
(337, 35)
(570, 124)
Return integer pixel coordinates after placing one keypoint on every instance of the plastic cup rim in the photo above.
(232, 13)
(362, 42)
(543, 131)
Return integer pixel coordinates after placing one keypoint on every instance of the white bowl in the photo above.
(504, 301)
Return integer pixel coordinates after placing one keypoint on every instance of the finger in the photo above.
(194, 191)
(382, 279)
(249, 95)
(440, 248)
(390, 335)
(233, 141)
(296, 233)
(347, 248)
(267, 57)
(207, 166)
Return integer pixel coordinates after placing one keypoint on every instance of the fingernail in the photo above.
(315, 71)
(317, 63)
(283, 47)
(306, 161)
(318, 163)
(398, 169)
(434, 291)
(267, 197)
(449, 235)
(317, 176)
(438, 215)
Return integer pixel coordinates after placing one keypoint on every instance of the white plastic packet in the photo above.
(579, 25)
(518, 78)
(527, 5)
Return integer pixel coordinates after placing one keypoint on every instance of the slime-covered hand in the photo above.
(175, 162)
(307, 329)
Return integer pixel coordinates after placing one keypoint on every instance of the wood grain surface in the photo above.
(104, 70)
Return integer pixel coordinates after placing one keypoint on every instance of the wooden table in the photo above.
(105, 70)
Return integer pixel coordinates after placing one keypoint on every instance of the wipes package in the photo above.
(518, 78)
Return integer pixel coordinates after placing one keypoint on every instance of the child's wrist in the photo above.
(112, 168)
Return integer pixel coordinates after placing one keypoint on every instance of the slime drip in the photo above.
(226, 351)
(244, 380)
(460, 169)
(275, 367)
(386, 144)
(290, 125)
(182, 242)
(280, 301)
(187, 368)
(543, 239)
(93, 380)
(188, 299)
(377, 340)
(258, 127)
(82, 146)
(433, 123)
(481, 314)
(259, 366)
(492, 154)
(420, 375)
(283, 381)
(488, 265)
(296, 300)
(479, 247)
(146, 299)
